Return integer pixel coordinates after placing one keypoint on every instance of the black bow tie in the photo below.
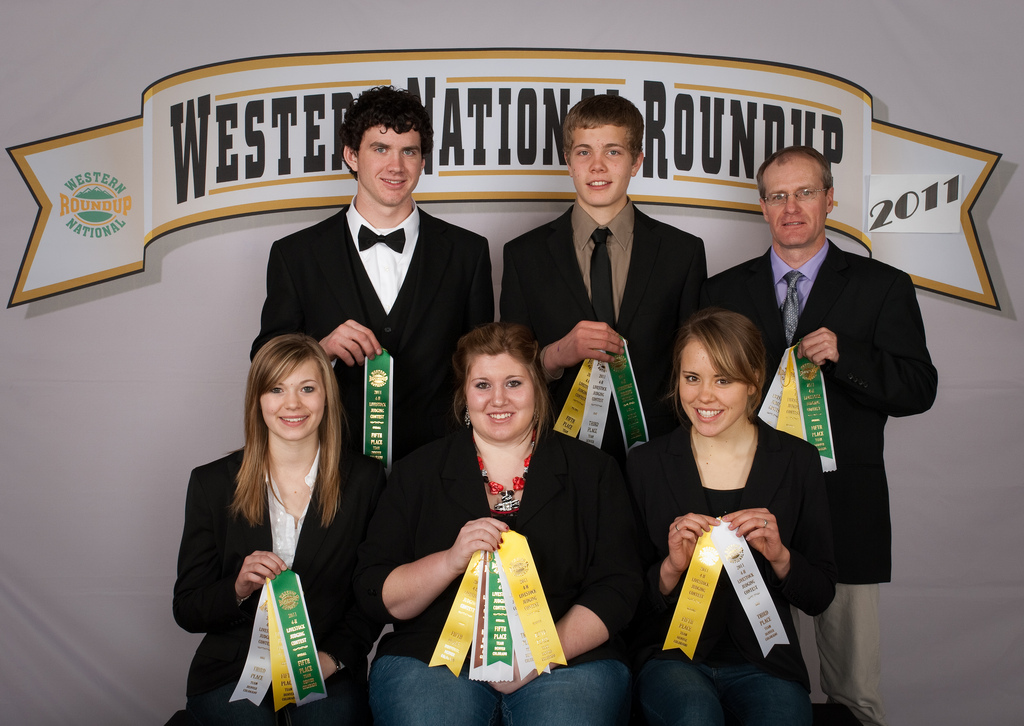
(368, 238)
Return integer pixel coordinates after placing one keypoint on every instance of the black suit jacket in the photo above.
(575, 514)
(785, 478)
(315, 282)
(542, 287)
(883, 370)
(214, 544)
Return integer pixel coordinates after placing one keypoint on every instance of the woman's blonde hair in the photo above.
(274, 362)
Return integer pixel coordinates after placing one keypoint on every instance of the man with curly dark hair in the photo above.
(385, 108)
(383, 274)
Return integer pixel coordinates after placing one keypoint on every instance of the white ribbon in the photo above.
(255, 679)
(739, 567)
(595, 416)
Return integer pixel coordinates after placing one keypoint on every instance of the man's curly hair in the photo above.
(390, 107)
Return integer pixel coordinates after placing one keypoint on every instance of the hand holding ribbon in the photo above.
(475, 535)
(527, 630)
(351, 343)
(683, 534)
(761, 530)
(818, 347)
(587, 339)
(256, 568)
(412, 587)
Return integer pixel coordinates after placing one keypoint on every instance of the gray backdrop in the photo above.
(112, 394)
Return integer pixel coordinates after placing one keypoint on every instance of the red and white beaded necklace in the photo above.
(508, 503)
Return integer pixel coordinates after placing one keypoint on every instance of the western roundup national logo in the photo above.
(260, 135)
(96, 205)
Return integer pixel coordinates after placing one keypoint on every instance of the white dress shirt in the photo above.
(283, 528)
(385, 267)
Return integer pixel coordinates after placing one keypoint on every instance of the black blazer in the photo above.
(884, 370)
(575, 513)
(542, 287)
(786, 479)
(213, 545)
(315, 282)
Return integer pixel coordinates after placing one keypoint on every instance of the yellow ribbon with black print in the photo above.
(524, 592)
(695, 598)
(457, 636)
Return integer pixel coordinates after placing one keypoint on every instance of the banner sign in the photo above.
(260, 135)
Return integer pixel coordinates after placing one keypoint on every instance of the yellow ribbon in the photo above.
(456, 638)
(789, 407)
(279, 677)
(531, 605)
(695, 597)
(570, 420)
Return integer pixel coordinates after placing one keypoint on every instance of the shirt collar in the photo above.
(310, 478)
(809, 269)
(313, 470)
(410, 224)
(621, 227)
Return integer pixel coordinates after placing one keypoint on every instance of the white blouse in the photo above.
(283, 527)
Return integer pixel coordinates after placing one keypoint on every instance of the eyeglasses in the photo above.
(804, 195)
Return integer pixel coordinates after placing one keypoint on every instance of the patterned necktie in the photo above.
(601, 278)
(368, 238)
(791, 307)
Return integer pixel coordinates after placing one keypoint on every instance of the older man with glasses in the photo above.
(859, 321)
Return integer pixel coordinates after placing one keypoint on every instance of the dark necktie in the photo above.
(791, 306)
(368, 238)
(601, 278)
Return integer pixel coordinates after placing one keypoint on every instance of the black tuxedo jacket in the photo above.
(542, 287)
(316, 281)
(883, 370)
(214, 544)
(785, 478)
(575, 514)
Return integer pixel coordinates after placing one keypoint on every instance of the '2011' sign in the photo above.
(907, 204)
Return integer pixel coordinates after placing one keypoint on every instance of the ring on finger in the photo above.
(766, 524)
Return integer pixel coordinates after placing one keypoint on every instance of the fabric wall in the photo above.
(111, 394)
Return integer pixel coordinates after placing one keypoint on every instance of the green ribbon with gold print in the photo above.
(377, 414)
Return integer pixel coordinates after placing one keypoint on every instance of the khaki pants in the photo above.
(847, 635)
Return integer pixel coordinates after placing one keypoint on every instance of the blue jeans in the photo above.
(345, 705)
(406, 691)
(679, 692)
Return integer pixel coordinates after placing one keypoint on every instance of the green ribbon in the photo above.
(812, 398)
(377, 411)
(627, 399)
(297, 636)
(498, 647)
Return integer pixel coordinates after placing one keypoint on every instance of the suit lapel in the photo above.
(766, 472)
(828, 286)
(258, 537)
(562, 249)
(462, 482)
(311, 539)
(426, 272)
(337, 268)
(678, 465)
(646, 244)
(546, 478)
(761, 289)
